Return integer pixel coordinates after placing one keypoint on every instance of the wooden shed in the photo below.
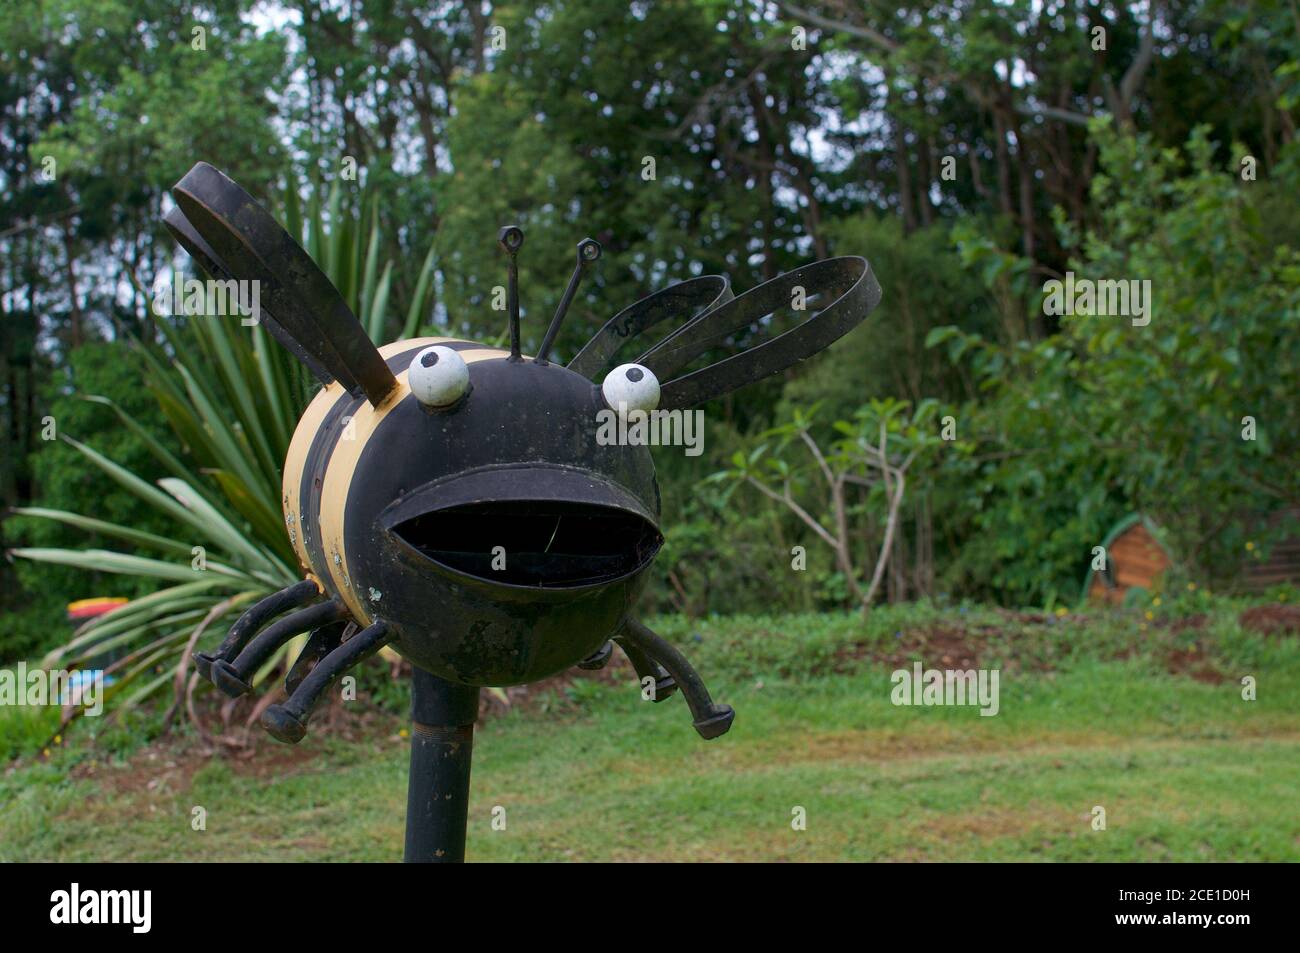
(1136, 555)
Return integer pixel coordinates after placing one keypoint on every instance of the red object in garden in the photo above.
(94, 607)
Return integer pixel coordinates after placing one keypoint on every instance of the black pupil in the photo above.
(635, 374)
(430, 359)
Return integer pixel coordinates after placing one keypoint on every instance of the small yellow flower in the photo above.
(1142, 626)
(1150, 615)
(403, 733)
(58, 739)
(1249, 547)
(1155, 601)
(1060, 611)
(1191, 587)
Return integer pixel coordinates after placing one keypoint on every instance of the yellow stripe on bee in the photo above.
(342, 467)
(303, 436)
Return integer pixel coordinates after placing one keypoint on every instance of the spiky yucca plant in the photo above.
(232, 397)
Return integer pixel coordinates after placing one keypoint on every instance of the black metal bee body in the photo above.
(527, 540)
(452, 500)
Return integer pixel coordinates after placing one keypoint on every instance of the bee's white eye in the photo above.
(438, 376)
(631, 385)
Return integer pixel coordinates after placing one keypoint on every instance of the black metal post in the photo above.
(442, 744)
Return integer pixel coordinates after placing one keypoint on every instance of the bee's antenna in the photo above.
(588, 252)
(511, 238)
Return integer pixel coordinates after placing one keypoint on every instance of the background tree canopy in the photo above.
(972, 150)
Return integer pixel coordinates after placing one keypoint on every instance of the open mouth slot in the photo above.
(546, 543)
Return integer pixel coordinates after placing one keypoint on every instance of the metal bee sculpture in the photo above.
(451, 500)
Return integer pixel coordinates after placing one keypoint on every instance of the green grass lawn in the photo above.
(1090, 716)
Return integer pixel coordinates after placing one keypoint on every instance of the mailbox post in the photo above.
(442, 745)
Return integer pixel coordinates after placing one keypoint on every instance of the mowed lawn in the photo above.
(1185, 769)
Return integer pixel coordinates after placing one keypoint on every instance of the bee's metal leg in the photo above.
(599, 658)
(323, 641)
(300, 593)
(664, 685)
(711, 720)
(232, 677)
(661, 684)
(288, 722)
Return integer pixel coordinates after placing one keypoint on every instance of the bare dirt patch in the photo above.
(1193, 662)
(1275, 619)
(231, 734)
(1033, 642)
(954, 647)
(1189, 623)
(168, 765)
(949, 645)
